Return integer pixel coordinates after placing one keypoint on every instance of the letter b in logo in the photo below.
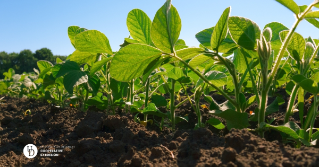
(30, 151)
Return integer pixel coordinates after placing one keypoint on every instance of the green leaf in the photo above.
(251, 100)
(189, 53)
(83, 57)
(315, 136)
(180, 44)
(176, 73)
(48, 80)
(296, 46)
(58, 60)
(166, 27)
(285, 129)
(220, 30)
(94, 83)
(131, 61)
(216, 77)
(98, 65)
(158, 100)
(72, 32)
(273, 107)
(315, 77)
(234, 119)
(276, 28)
(310, 86)
(244, 32)
(98, 102)
(227, 46)
(291, 5)
(204, 37)
(74, 78)
(43, 64)
(139, 25)
(313, 22)
(216, 123)
(67, 67)
(152, 66)
(298, 78)
(200, 60)
(312, 14)
(119, 89)
(92, 41)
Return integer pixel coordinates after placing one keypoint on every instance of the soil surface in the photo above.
(97, 138)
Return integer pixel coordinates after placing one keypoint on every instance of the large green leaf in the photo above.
(166, 27)
(296, 46)
(74, 78)
(98, 65)
(285, 129)
(92, 41)
(72, 32)
(275, 28)
(200, 60)
(158, 100)
(244, 32)
(220, 30)
(139, 25)
(204, 37)
(67, 67)
(310, 86)
(312, 14)
(234, 119)
(131, 61)
(83, 57)
(291, 5)
(228, 46)
(189, 53)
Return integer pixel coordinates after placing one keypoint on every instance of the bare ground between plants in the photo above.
(100, 139)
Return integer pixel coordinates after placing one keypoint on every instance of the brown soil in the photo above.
(100, 139)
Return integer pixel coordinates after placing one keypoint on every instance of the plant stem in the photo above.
(252, 79)
(313, 116)
(172, 104)
(301, 104)
(291, 103)
(146, 96)
(285, 44)
(132, 91)
(262, 109)
(208, 82)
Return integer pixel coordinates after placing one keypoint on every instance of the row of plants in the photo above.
(235, 58)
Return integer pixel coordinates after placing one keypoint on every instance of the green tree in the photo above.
(44, 54)
(26, 61)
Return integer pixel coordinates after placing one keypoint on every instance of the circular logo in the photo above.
(30, 151)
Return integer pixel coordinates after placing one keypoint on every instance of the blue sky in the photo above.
(36, 24)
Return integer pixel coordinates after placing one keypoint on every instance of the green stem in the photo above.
(291, 103)
(262, 110)
(301, 104)
(146, 96)
(252, 79)
(172, 94)
(285, 44)
(313, 117)
(208, 82)
(132, 91)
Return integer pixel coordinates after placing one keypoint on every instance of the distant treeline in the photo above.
(25, 61)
